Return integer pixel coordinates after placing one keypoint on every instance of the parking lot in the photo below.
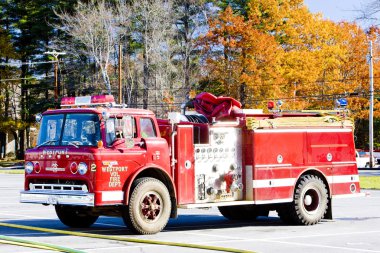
(355, 228)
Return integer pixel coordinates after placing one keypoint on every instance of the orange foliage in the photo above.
(282, 51)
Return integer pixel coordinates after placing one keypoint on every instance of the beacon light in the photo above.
(270, 105)
(87, 100)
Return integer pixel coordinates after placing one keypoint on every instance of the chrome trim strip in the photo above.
(57, 198)
(273, 165)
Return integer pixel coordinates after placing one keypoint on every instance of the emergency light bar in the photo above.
(87, 100)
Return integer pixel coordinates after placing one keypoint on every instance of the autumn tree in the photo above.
(243, 60)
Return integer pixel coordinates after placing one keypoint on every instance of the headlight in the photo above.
(82, 168)
(29, 167)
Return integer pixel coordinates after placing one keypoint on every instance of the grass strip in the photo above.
(370, 182)
(12, 171)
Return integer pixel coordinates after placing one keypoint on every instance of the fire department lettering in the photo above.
(113, 169)
(114, 180)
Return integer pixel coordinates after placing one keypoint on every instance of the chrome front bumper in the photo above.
(57, 198)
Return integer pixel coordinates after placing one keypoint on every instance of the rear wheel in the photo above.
(245, 212)
(310, 202)
(75, 216)
(149, 206)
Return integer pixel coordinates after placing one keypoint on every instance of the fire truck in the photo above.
(94, 157)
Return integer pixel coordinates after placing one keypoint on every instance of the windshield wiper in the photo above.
(73, 144)
(47, 142)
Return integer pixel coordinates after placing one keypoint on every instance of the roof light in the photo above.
(87, 100)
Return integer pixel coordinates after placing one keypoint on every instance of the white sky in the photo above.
(338, 10)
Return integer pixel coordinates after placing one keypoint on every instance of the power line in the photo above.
(17, 64)
(21, 78)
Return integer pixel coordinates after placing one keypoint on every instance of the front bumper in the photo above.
(57, 198)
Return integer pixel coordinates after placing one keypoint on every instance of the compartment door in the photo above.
(184, 171)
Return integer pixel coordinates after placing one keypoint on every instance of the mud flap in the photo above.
(173, 213)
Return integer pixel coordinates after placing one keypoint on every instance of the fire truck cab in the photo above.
(94, 158)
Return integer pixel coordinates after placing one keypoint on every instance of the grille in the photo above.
(58, 187)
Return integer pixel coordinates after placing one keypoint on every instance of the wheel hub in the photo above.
(311, 200)
(307, 200)
(151, 207)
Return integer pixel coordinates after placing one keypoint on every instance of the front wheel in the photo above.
(310, 201)
(149, 206)
(75, 216)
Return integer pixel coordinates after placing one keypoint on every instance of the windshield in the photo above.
(76, 129)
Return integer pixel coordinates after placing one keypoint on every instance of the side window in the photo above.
(110, 131)
(129, 129)
(147, 128)
(120, 128)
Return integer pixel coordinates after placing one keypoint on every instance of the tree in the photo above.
(95, 26)
(191, 19)
(370, 12)
(153, 31)
(8, 116)
(242, 59)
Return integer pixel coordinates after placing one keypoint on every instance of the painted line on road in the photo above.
(321, 246)
(35, 244)
(26, 216)
(240, 239)
(124, 239)
(218, 236)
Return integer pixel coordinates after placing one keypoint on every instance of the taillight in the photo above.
(37, 167)
(74, 168)
(82, 168)
(29, 167)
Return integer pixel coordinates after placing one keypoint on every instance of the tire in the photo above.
(149, 206)
(75, 216)
(243, 213)
(310, 202)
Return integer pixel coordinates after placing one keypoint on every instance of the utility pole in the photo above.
(55, 54)
(370, 60)
(120, 82)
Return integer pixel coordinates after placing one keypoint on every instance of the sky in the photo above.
(338, 10)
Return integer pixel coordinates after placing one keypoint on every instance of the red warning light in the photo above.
(270, 105)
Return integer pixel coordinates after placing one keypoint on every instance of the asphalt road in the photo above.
(370, 172)
(355, 228)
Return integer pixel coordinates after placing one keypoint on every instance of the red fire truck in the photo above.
(94, 158)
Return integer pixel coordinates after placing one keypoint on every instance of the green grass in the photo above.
(12, 171)
(10, 163)
(367, 182)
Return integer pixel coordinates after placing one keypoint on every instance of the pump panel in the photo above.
(218, 166)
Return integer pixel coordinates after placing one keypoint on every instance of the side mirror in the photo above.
(105, 115)
(38, 118)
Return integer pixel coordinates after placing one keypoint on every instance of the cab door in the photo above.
(121, 156)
